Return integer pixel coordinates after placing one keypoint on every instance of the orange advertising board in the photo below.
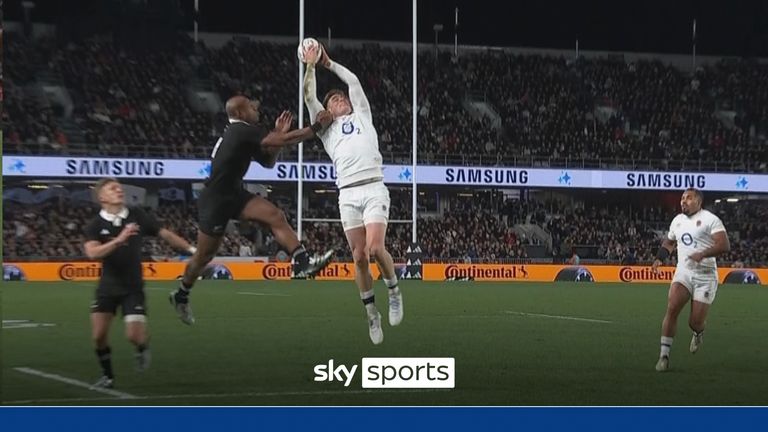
(155, 271)
(586, 273)
(490, 272)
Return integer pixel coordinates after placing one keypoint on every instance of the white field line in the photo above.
(562, 317)
(74, 382)
(263, 294)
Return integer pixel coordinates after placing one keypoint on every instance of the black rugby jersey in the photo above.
(121, 270)
(232, 156)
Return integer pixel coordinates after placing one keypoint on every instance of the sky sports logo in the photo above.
(393, 372)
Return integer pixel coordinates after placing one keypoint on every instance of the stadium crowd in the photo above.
(480, 229)
(129, 102)
(749, 245)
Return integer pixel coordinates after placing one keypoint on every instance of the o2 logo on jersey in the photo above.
(687, 239)
(347, 128)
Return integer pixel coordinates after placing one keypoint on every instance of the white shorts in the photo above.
(364, 204)
(702, 285)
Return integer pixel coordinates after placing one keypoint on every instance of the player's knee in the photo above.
(132, 337)
(696, 323)
(100, 340)
(207, 258)
(277, 217)
(673, 309)
(361, 256)
(137, 339)
(280, 216)
(135, 336)
(378, 250)
(203, 257)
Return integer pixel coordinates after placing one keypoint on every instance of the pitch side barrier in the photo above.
(224, 270)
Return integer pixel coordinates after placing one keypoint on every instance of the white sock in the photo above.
(392, 285)
(666, 344)
(371, 309)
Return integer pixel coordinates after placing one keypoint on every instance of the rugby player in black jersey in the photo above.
(115, 237)
(224, 196)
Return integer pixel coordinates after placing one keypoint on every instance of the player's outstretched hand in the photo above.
(655, 266)
(129, 231)
(313, 54)
(325, 118)
(325, 61)
(283, 122)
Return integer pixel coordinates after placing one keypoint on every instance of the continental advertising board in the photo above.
(158, 271)
(161, 271)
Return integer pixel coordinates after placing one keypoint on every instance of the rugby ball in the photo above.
(306, 44)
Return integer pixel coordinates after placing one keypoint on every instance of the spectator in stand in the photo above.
(601, 112)
(470, 230)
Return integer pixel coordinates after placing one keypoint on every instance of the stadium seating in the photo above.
(471, 230)
(539, 111)
(549, 111)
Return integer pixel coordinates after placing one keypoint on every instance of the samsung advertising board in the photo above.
(57, 167)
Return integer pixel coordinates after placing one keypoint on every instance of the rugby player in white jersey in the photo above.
(352, 143)
(699, 237)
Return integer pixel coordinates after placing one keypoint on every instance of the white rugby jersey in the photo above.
(351, 141)
(694, 234)
(352, 144)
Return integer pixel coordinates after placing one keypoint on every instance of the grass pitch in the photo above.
(256, 343)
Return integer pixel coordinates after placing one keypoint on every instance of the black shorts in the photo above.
(216, 209)
(131, 304)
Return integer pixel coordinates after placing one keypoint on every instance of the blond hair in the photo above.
(100, 185)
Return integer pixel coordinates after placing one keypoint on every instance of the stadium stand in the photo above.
(488, 107)
(481, 229)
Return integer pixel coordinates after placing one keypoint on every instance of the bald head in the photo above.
(236, 106)
(242, 108)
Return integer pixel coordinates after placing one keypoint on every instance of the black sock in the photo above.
(369, 300)
(142, 347)
(105, 360)
(300, 256)
(184, 288)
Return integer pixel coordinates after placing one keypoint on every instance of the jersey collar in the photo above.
(116, 219)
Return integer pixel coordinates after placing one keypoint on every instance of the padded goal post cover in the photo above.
(413, 268)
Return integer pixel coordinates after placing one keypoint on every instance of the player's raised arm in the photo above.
(310, 84)
(176, 241)
(150, 226)
(282, 136)
(356, 94)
